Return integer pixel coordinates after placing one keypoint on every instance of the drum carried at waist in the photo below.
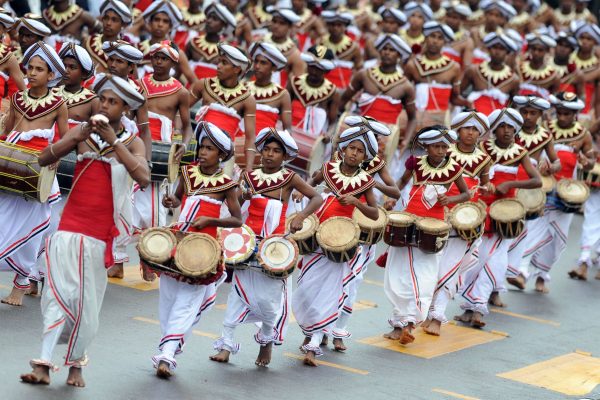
(190, 255)
(277, 255)
(507, 217)
(571, 195)
(371, 231)
(468, 220)
(431, 234)
(400, 229)
(548, 183)
(591, 178)
(305, 238)
(534, 201)
(338, 238)
(163, 160)
(311, 152)
(21, 175)
(239, 246)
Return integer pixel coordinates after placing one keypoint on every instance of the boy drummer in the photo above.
(255, 297)
(35, 116)
(316, 301)
(204, 189)
(432, 175)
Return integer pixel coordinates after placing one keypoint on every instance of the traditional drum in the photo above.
(468, 220)
(431, 234)
(572, 193)
(533, 200)
(400, 229)
(156, 245)
(21, 175)
(278, 256)
(240, 155)
(338, 238)
(508, 217)
(305, 238)
(239, 245)
(197, 255)
(163, 160)
(548, 183)
(591, 178)
(66, 171)
(371, 231)
(311, 153)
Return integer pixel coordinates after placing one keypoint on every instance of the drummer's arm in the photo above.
(555, 165)
(286, 112)
(174, 200)
(354, 87)
(534, 181)
(408, 101)
(141, 116)
(315, 199)
(404, 179)
(9, 124)
(196, 92)
(235, 220)
(369, 209)
(65, 145)
(184, 114)
(249, 127)
(316, 179)
(332, 112)
(587, 159)
(62, 118)
(464, 195)
(388, 187)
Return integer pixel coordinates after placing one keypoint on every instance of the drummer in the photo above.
(282, 23)
(273, 101)
(202, 190)
(385, 185)
(385, 91)
(226, 100)
(432, 175)
(457, 258)
(537, 140)
(507, 157)
(255, 297)
(316, 300)
(573, 145)
(32, 125)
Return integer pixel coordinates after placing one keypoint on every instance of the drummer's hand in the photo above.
(106, 132)
(170, 201)
(348, 200)
(201, 222)
(83, 133)
(297, 197)
(53, 166)
(443, 199)
(179, 152)
(389, 204)
(296, 223)
(488, 188)
(544, 168)
(503, 188)
(326, 139)
(583, 160)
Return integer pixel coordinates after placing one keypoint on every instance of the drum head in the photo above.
(532, 199)
(338, 234)
(173, 168)
(239, 244)
(466, 215)
(197, 254)
(572, 191)
(156, 245)
(309, 227)
(400, 218)
(432, 225)
(548, 183)
(368, 223)
(507, 210)
(278, 254)
(317, 155)
(45, 183)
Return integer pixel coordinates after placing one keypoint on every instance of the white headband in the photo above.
(235, 56)
(222, 13)
(531, 101)
(433, 26)
(412, 6)
(48, 54)
(503, 7)
(367, 138)
(33, 26)
(468, 119)
(270, 52)
(121, 87)
(166, 7)
(217, 136)
(567, 100)
(508, 116)
(123, 50)
(433, 136)
(80, 55)
(376, 127)
(119, 8)
(289, 144)
(392, 12)
(494, 38)
(396, 42)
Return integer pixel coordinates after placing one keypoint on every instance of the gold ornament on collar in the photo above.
(584, 65)
(493, 76)
(270, 179)
(383, 80)
(339, 49)
(354, 181)
(285, 47)
(530, 74)
(192, 20)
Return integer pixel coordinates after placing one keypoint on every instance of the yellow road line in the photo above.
(455, 395)
(330, 364)
(527, 317)
(5, 287)
(195, 332)
(372, 282)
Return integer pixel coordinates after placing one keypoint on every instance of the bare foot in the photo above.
(310, 359)
(580, 272)
(116, 271)
(15, 298)
(433, 327)
(40, 375)
(518, 281)
(147, 274)
(338, 344)
(495, 300)
(395, 334)
(33, 289)
(304, 343)
(465, 317)
(163, 371)
(540, 286)
(425, 323)
(264, 355)
(324, 341)
(407, 336)
(75, 377)
(477, 320)
(222, 356)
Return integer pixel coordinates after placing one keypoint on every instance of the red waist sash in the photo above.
(382, 110)
(224, 121)
(265, 119)
(256, 216)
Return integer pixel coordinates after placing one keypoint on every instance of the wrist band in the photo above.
(52, 151)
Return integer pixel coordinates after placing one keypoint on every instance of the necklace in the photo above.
(384, 80)
(493, 76)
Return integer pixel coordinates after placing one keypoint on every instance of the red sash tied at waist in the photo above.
(568, 162)
(382, 110)
(340, 76)
(265, 119)
(224, 121)
(256, 216)
(206, 209)
(417, 207)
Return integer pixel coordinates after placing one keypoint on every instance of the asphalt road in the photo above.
(544, 346)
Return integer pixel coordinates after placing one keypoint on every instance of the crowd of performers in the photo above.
(310, 112)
